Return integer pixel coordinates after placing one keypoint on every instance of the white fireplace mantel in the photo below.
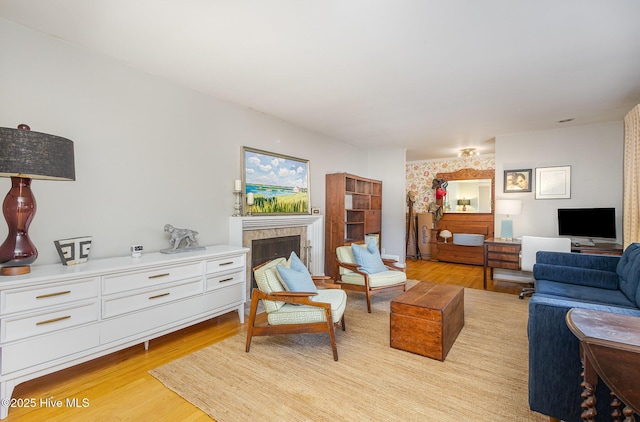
(313, 223)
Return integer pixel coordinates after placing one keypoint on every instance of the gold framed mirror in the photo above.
(469, 191)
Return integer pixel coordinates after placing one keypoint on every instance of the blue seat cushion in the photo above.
(583, 293)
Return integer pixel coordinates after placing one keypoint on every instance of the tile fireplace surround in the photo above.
(242, 230)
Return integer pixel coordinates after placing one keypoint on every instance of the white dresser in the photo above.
(57, 316)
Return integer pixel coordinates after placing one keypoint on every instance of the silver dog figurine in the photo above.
(178, 235)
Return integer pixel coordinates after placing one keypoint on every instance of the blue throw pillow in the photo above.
(368, 258)
(296, 264)
(296, 278)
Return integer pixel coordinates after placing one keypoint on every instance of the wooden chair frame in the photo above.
(366, 288)
(301, 298)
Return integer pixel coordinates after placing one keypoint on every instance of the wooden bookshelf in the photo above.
(354, 209)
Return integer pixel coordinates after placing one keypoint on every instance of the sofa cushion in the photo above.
(594, 295)
(582, 260)
(576, 275)
(629, 272)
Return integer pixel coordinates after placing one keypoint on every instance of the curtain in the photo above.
(631, 201)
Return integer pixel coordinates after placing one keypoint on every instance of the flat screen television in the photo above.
(587, 222)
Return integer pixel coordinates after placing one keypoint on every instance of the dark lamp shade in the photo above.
(35, 155)
(464, 202)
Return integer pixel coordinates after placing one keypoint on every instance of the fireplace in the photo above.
(310, 228)
(264, 250)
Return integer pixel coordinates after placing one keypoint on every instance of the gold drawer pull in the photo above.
(225, 263)
(49, 321)
(159, 296)
(53, 294)
(225, 280)
(159, 275)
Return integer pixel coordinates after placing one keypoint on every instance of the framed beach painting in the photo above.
(274, 183)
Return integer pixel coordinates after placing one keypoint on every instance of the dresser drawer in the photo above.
(116, 283)
(20, 327)
(504, 257)
(507, 265)
(218, 281)
(37, 352)
(120, 305)
(24, 299)
(225, 264)
(149, 320)
(503, 248)
(226, 296)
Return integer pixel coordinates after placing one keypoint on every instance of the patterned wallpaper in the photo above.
(420, 175)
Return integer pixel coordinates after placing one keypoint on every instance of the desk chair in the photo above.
(530, 247)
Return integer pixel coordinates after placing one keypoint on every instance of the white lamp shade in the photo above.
(508, 206)
(445, 234)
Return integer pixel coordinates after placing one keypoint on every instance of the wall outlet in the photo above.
(136, 251)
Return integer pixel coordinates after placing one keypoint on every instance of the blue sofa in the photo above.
(565, 281)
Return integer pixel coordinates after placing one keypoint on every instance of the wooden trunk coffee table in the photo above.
(427, 319)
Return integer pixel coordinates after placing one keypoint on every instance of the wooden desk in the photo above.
(610, 351)
(500, 253)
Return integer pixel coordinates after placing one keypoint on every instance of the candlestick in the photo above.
(237, 207)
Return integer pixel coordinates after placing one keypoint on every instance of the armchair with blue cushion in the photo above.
(565, 281)
(360, 268)
(293, 303)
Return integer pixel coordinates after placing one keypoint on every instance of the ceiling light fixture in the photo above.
(468, 152)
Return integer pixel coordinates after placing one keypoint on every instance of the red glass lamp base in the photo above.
(17, 252)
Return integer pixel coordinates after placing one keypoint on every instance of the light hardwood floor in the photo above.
(118, 387)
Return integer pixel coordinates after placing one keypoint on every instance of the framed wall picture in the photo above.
(553, 182)
(517, 181)
(274, 183)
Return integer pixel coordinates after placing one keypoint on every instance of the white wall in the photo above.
(148, 152)
(389, 166)
(595, 154)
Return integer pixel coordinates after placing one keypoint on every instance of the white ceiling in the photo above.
(429, 76)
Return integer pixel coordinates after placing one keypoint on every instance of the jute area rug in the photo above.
(294, 378)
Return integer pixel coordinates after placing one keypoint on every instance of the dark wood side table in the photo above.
(500, 253)
(598, 249)
(610, 351)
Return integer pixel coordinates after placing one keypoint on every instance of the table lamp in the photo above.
(464, 203)
(507, 207)
(26, 155)
(445, 234)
